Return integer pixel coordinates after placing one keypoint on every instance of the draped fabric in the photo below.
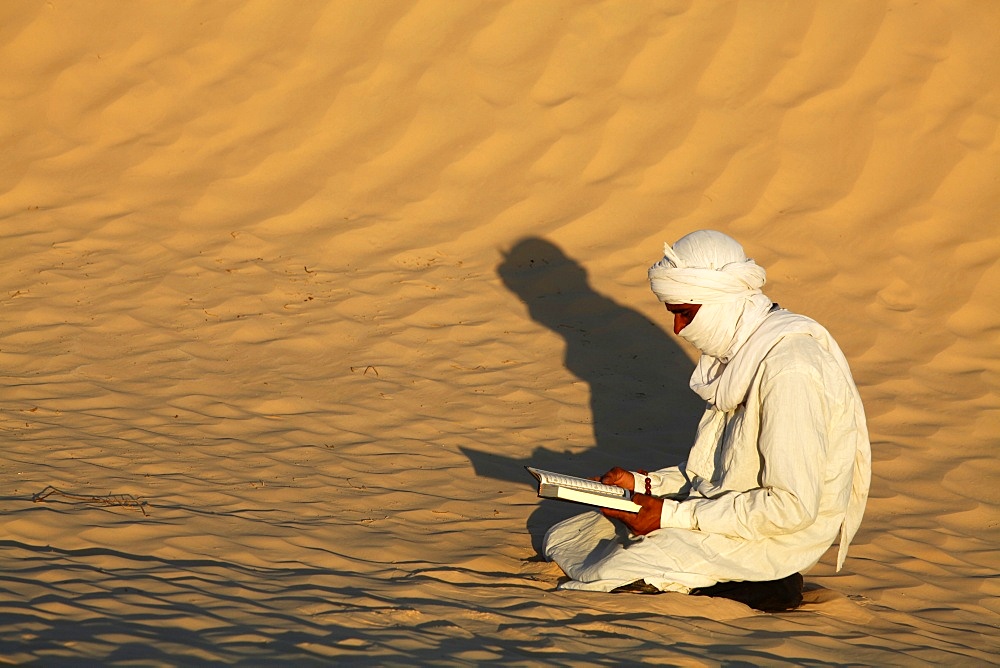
(726, 389)
(779, 468)
(781, 462)
(705, 267)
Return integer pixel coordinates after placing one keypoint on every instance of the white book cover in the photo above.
(581, 490)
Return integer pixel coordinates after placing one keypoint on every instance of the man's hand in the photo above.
(618, 477)
(642, 522)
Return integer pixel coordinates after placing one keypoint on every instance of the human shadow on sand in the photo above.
(644, 413)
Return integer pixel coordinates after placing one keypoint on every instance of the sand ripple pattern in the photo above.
(314, 285)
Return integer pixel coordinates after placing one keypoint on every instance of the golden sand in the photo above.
(291, 293)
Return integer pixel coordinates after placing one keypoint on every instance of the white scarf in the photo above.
(720, 329)
(705, 267)
(735, 329)
(725, 386)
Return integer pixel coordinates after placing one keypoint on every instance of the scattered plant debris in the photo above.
(123, 500)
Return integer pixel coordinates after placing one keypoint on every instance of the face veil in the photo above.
(711, 269)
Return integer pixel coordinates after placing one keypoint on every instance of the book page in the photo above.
(548, 477)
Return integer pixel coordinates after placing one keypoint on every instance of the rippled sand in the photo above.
(291, 295)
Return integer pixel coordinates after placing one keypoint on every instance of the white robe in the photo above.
(766, 488)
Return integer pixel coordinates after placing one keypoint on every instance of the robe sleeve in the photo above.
(792, 444)
(671, 481)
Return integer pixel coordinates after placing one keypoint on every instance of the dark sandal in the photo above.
(769, 596)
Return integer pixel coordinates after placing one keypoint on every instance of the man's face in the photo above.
(683, 314)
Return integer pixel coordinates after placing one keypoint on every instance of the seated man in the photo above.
(780, 464)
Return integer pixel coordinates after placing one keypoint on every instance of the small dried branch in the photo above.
(122, 500)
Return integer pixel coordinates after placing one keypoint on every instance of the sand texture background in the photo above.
(292, 291)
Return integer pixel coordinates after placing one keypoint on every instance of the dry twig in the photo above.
(123, 500)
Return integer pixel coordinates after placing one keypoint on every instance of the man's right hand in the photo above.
(619, 477)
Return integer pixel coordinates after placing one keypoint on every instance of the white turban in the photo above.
(705, 267)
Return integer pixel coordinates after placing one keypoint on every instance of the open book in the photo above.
(570, 488)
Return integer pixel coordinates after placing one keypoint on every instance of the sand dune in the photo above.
(290, 297)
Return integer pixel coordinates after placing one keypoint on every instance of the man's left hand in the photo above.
(642, 522)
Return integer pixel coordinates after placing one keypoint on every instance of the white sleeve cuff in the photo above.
(639, 484)
(678, 515)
